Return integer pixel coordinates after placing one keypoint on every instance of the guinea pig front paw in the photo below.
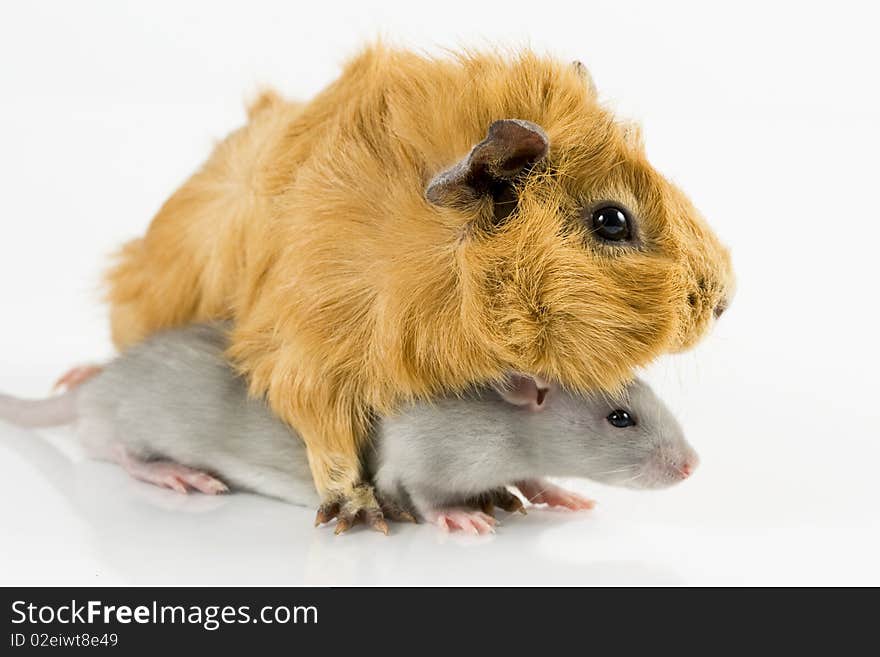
(466, 520)
(497, 497)
(541, 491)
(396, 512)
(356, 505)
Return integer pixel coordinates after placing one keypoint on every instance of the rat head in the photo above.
(630, 439)
(579, 261)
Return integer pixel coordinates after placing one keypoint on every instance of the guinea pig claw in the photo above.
(510, 502)
(376, 520)
(326, 512)
(397, 513)
(358, 505)
(343, 524)
(372, 519)
(501, 498)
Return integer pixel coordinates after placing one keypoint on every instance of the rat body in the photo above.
(170, 411)
(173, 412)
(435, 456)
(423, 225)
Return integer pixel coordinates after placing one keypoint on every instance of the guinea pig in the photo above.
(421, 226)
(173, 412)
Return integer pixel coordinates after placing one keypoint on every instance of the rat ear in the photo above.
(511, 147)
(524, 391)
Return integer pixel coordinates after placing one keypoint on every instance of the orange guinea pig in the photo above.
(421, 225)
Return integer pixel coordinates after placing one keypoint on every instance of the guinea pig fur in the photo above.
(421, 225)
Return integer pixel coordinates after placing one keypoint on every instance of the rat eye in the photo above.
(612, 223)
(620, 419)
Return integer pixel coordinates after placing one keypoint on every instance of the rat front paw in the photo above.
(466, 520)
(540, 491)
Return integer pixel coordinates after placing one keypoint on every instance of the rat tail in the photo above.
(31, 413)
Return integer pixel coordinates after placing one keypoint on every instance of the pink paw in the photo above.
(466, 520)
(76, 376)
(177, 477)
(538, 491)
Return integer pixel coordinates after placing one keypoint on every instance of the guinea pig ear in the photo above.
(632, 135)
(586, 77)
(524, 391)
(511, 147)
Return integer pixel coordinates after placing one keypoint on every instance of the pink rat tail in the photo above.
(49, 412)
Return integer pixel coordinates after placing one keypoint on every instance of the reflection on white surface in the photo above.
(140, 533)
(76, 521)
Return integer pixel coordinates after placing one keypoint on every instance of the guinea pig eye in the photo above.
(620, 419)
(612, 223)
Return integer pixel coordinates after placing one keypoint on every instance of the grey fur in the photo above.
(175, 397)
(454, 449)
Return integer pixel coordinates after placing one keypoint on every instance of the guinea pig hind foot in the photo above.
(541, 491)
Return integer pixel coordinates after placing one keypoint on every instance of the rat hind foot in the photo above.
(76, 376)
(175, 476)
(466, 520)
(498, 497)
(358, 505)
(540, 491)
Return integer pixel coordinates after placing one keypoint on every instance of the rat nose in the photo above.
(688, 467)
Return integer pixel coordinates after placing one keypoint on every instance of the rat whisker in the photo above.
(607, 472)
(632, 479)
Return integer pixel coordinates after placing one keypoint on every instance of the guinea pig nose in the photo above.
(719, 309)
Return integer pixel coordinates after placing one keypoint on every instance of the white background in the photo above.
(766, 114)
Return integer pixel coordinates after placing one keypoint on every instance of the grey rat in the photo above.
(172, 411)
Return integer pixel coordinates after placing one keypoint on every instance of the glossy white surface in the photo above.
(767, 118)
